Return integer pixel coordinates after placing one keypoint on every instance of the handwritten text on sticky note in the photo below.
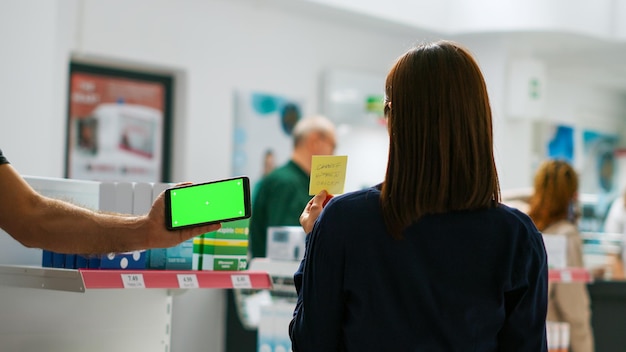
(328, 172)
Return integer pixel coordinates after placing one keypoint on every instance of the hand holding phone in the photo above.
(207, 203)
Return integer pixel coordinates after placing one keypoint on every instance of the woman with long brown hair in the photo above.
(553, 211)
(429, 260)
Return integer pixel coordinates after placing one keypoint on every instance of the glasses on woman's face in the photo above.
(387, 108)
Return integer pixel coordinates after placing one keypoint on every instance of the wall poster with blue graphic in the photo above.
(263, 125)
(561, 143)
(598, 173)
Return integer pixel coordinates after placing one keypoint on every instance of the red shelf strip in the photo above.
(94, 278)
(569, 275)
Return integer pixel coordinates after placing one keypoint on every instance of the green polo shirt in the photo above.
(280, 199)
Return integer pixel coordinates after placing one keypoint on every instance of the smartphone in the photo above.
(207, 203)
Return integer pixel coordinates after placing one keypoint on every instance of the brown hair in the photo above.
(556, 184)
(441, 138)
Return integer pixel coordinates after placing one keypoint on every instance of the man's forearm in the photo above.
(65, 228)
(41, 222)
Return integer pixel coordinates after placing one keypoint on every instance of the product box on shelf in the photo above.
(46, 259)
(272, 335)
(178, 257)
(196, 256)
(129, 260)
(93, 262)
(558, 336)
(224, 249)
(70, 261)
(82, 261)
(126, 260)
(119, 197)
(285, 243)
(60, 260)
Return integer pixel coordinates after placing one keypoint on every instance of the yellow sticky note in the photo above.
(328, 172)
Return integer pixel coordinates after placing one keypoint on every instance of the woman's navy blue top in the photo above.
(461, 281)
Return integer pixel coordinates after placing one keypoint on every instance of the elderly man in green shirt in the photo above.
(282, 194)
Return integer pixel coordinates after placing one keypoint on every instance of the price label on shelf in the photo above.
(188, 281)
(133, 281)
(241, 281)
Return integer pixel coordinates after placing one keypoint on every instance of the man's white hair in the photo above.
(315, 123)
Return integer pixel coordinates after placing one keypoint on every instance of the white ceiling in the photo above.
(571, 56)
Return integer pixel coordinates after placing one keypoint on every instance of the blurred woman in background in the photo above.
(552, 208)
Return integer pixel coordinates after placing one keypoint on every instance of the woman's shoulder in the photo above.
(516, 221)
(513, 214)
(358, 196)
(351, 204)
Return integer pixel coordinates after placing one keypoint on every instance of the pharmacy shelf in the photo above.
(569, 275)
(86, 279)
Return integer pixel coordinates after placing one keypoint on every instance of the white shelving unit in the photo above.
(49, 309)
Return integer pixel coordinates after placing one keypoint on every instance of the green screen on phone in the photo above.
(208, 202)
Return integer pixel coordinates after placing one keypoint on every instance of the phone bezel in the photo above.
(246, 202)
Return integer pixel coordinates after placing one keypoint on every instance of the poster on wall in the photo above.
(561, 143)
(598, 177)
(118, 124)
(598, 174)
(263, 125)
